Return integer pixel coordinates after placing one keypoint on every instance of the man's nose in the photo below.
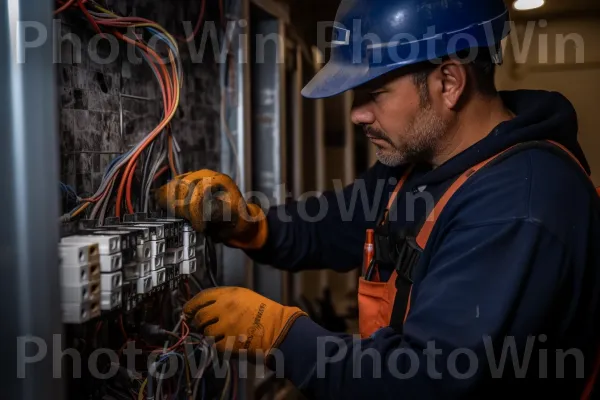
(362, 116)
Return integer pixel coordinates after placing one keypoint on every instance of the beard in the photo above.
(419, 140)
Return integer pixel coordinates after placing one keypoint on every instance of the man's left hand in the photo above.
(240, 319)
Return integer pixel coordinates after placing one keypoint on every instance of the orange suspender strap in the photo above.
(423, 236)
(427, 227)
(570, 154)
(396, 190)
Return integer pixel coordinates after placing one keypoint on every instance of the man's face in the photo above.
(399, 119)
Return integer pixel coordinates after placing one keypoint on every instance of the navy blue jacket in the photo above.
(507, 288)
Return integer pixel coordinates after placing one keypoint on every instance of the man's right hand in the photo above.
(213, 204)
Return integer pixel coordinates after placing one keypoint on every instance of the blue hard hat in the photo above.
(373, 37)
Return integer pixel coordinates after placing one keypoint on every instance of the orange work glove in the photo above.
(240, 319)
(213, 204)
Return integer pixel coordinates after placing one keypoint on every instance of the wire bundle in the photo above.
(168, 73)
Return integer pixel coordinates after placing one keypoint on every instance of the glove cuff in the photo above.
(291, 314)
(255, 236)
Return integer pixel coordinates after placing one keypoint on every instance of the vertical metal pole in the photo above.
(268, 109)
(236, 265)
(29, 200)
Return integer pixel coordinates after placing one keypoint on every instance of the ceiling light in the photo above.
(522, 5)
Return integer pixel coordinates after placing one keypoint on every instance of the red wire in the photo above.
(171, 161)
(90, 18)
(152, 135)
(122, 327)
(198, 24)
(160, 172)
(64, 7)
(185, 331)
(128, 190)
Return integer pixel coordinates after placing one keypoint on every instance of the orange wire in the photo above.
(90, 18)
(128, 192)
(171, 162)
(64, 7)
(197, 27)
(152, 135)
(101, 195)
(170, 137)
(167, 84)
(160, 172)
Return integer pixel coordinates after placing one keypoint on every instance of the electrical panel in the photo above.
(120, 264)
(127, 127)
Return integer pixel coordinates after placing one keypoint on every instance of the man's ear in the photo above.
(453, 77)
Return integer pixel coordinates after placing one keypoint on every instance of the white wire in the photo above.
(153, 172)
(106, 201)
(176, 153)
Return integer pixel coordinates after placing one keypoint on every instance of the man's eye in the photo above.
(375, 95)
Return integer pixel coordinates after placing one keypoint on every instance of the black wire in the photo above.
(196, 282)
(210, 260)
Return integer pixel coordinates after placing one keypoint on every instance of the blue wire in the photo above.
(165, 39)
(164, 358)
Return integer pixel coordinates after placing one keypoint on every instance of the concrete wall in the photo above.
(535, 59)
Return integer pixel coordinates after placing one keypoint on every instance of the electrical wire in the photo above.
(141, 392)
(170, 84)
(210, 259)
(196, 29)
(153, 172)
(64, 7)
(185, 332)
(145, 170)
(227, 382)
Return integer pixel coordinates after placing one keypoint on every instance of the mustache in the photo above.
(376, 133)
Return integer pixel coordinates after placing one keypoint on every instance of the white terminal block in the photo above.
(144, 251)
(75, 313)
(111, 282)
(144, 285)
(189, 253)
(174, 256)
(189, 238)
(80, 293)
(75, 255)
(138, 270)
(137, 229)
(106, 244)
(187, 267)
(74, 275)
(110, 300)
(159, 232)
(111, 263)
(157, 262)
(159, 277)
(124, 240)
(158, 247)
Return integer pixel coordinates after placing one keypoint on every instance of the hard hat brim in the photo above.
(336, 78)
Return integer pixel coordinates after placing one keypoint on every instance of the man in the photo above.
(485, 278)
